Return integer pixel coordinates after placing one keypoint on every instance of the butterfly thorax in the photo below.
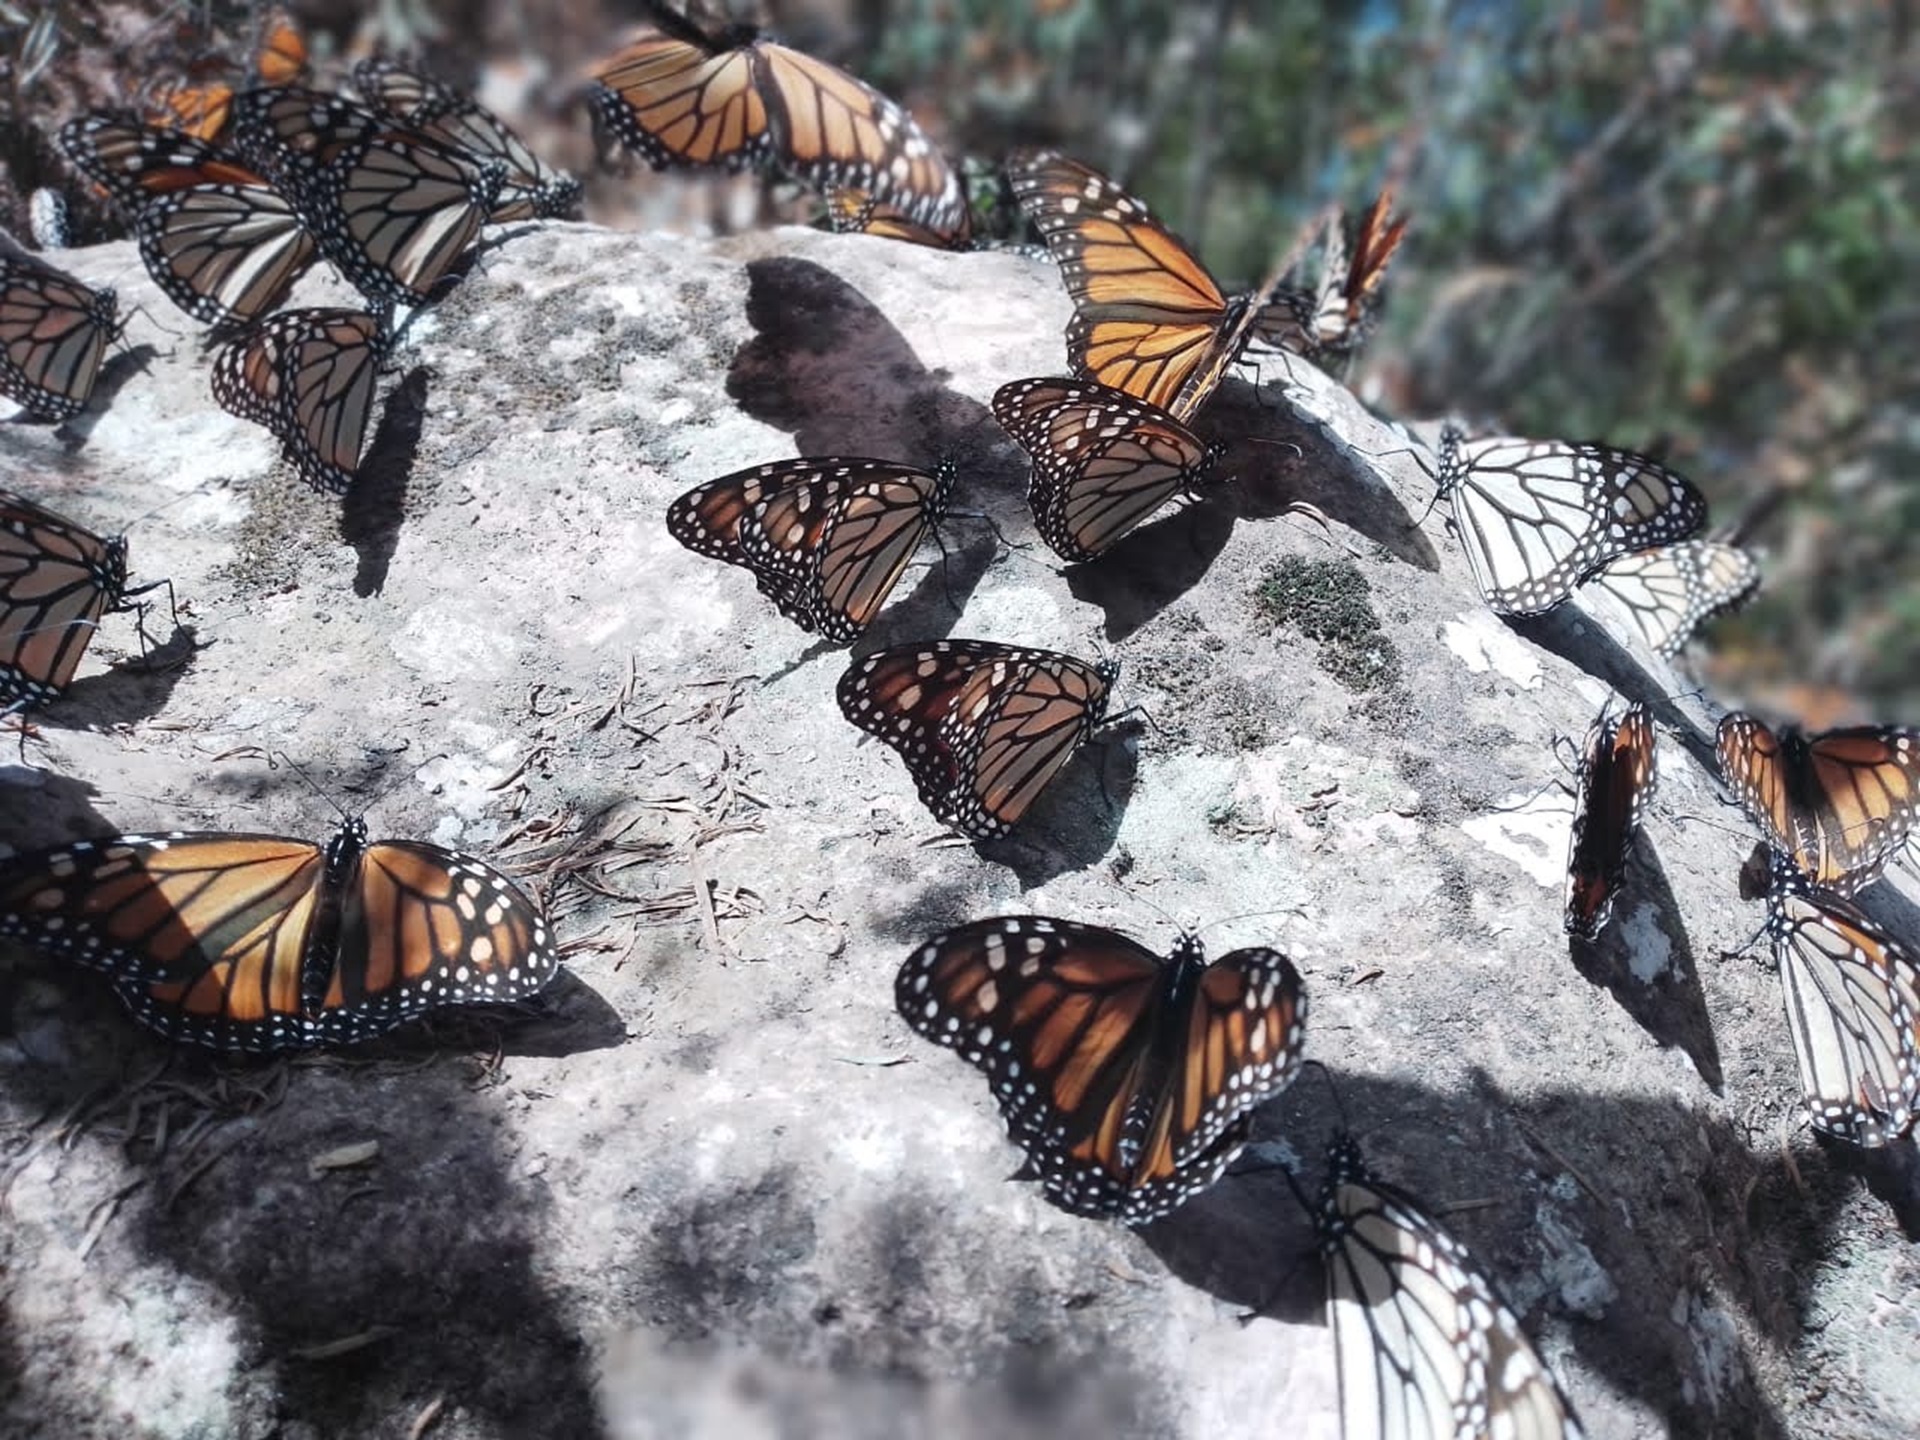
(111, 573)
(321, 955)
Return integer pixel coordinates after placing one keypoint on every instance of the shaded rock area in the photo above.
(709, 1184)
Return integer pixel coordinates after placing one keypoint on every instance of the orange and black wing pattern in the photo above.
(1148, 317)
(1838, 804)
(53, 335)
(1103, 462)
(308, 376)
(825, 538)
(981, 726)
(1126, 1078)
(259, 942)
(56, 580)
(1616, 781)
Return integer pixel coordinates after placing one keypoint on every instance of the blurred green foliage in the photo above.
(1688, 228)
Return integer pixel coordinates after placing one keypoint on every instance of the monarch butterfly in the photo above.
(202, 110)
(680, 97)
(1127, 1079)
(308, 376)
(1669, 591)
(218, 239)
(532, 189)
(1102, 461)
(854, 212)
(1335, 318)
(392, 208)
(825, 539)
(261, 942)
(982, 726)
(1148, 318)
(1427, 1350)
(1853, 1009)
(53, 332)
(1838, 804)
(56, 580)
(1616, 781)
(1536, 517)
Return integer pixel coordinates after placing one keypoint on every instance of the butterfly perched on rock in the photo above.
(982, 726)
(1616, 781)
(825, 538)
(1102, 461)
(264, 942)
(1127, 1078)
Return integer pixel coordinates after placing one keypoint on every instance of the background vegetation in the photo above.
(1682, 227)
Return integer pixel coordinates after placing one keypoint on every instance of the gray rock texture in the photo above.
(709, 1184)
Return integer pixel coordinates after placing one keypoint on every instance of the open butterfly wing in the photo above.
(1536, 517)
(424, 927)
(1426, 1350)
(677, 104)
(1839, 804)
(56, 581)
(1616, 781)
(203, 934)
(1102, 461)
(1669, 591)
(1147, 315)
(1853, 1010)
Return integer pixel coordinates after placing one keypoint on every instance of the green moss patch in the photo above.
(1329, 601)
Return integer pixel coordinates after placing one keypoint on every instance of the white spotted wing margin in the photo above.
(1127, 1079)
(1537, 517)
(1427, 1350)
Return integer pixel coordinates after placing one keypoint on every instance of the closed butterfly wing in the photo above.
(531, 188)
(134, 162)
(1616, 781)
(56, 580)
(1350, 294)
(1537, 517)
(259, 942)
(981, 726)
(1427, 1350)
(308, 376)
(1839, 804)
(1126, 1078)
(824, 538)
(295, 136)
(53, 334)
(1669, 591)
(1102, 461)
(1853, 1009)
(854, 212)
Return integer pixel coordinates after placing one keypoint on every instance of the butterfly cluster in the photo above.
(1129, 1079)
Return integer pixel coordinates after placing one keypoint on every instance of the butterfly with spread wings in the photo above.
(1427, 1349)
(1839, 805)
(1853, 1008)
(1616, 781)
(532, 188)
(824, 538)
(1670, 591)
(981, 726)
(57, 579)
(1537, 517)
(395, 210)
(1128, 1079)
(261, 942)
(308, 377)
(53, 334)
(683, 98)
(1102, 461)
(1148, 318)
(214, 235)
